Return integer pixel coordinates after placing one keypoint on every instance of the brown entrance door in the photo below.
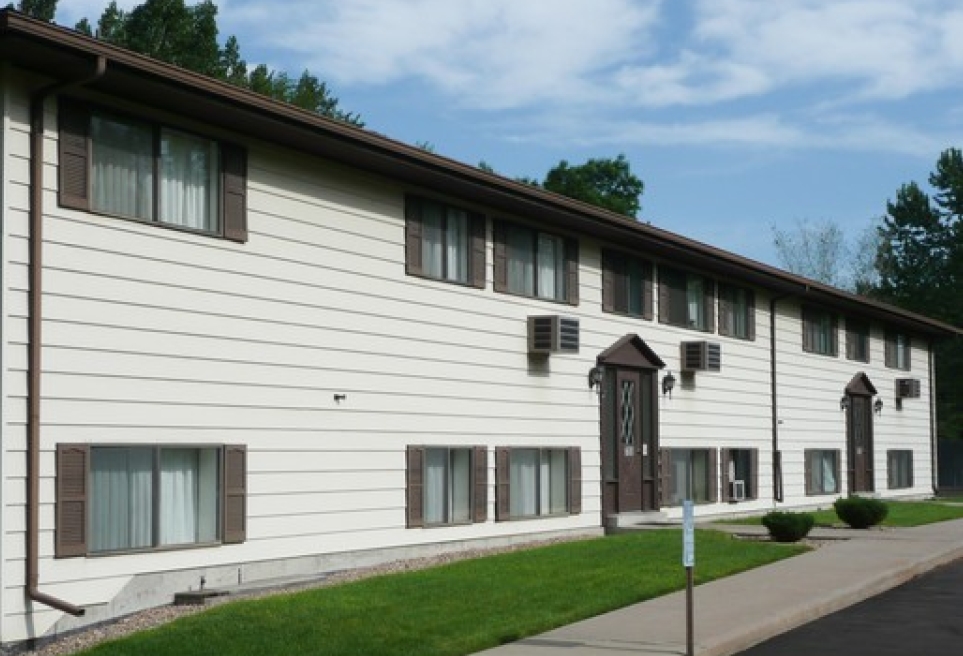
(859, 427)
(630, 442)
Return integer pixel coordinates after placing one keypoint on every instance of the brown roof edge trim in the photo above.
(377, 145)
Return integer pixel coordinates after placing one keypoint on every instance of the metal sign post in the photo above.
(688, 561)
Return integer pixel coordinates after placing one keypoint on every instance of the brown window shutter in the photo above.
(608, 282)
(665, 296)
(235, 494)
(415, 486)
(753, 492)
(478, 247)
(575, 480)
(909, 353)
(500, 256)
(890, 350)
(713, 471)
(838, 469)
(502, 467)
(808, 470)
(413, 258)
(71, 530)
(647, 291)
(725, 311)
(834, 334)
(751, 311)
(710, 304)
(234, 192)
(807, 330)
(571, 271)
(74, 155)
(480, 496)
(724, 475)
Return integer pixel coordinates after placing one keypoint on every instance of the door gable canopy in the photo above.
(631, 351)
(860, 385)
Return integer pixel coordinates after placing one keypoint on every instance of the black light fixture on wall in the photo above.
(844, 403)
(595, 379)
(668, 383)
(878, 406)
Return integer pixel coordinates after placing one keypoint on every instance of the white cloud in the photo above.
(862, 133)
(483, 53)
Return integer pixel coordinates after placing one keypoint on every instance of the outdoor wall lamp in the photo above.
(668, 383)
(878, 406)
(844, 403)
(595, 379)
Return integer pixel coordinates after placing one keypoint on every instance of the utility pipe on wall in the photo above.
(34, 339)
(777, 492)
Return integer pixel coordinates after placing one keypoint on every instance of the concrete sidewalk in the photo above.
(737, 612)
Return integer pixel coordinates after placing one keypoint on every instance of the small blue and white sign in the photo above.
(688, 534)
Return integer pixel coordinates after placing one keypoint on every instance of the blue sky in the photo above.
(738, 114)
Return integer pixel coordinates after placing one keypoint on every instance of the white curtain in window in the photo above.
(558, 475)
(122, 166)
(178, 496)
(829, 472)
(436, 473)
(700, 475)
(521, 260)
(432, 240)
(456, 251)
(188, 181)
(680, 476)
(460, 485)
(551, 267)
(522, 483)
(740, 313)
(120, 498)
(695, 293)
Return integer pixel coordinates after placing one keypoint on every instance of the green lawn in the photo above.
(902, 514)
(459, 608)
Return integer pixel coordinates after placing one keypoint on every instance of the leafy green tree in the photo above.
(187, 36)
(607, 183)
(920, 266)
(40, 9)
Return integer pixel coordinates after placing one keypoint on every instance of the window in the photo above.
(446, 485)
(444, 242)
(737, 312)
(822, 471)
(626, 285)
(529, 262)
(686, 299)
(819, 331)
(899, 465)
(116, 165)
(740, 471)
(131, 498)
(688, 474)
(538, 482)
(857, 340)
(897, 351)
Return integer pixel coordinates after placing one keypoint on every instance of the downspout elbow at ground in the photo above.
(35, 339)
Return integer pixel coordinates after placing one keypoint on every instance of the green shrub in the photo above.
(788, 526)
(861, 512)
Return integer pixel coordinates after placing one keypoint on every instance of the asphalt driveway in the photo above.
(924, 616)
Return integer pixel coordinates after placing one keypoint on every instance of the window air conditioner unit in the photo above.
(701, 356)
(907, 388)
(552, 334)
